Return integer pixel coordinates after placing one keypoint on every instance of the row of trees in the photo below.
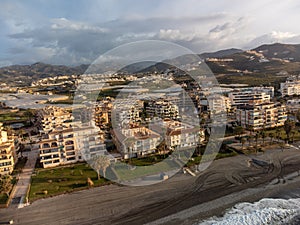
(289, 129)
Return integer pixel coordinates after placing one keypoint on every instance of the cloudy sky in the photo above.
(75, 32)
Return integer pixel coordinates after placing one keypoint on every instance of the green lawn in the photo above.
(50, 182)
(283, 135)
(125, 173)
(197, 159)
(13, 116)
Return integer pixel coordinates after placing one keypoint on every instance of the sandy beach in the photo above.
(183, 199)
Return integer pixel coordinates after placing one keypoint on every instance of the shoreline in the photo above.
(216, 208)
(180, 200)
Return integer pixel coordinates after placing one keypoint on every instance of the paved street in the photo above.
(24, 179)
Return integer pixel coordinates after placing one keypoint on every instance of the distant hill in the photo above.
(262, 65)
(221, 53)
(282, 51)
(25, 74)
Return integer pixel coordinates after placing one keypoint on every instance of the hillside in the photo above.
(25, 74)
(266, 64)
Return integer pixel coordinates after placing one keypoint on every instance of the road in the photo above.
(23, 183)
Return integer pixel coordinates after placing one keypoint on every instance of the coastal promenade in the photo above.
(114, 204)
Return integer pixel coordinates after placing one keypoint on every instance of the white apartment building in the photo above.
(163, 109)
(8, 156)
(135, 142)
(71, 145)
(181, 135)
(53, 117)
(217, 103)
(239, 98)
(126, 112)
(269, 90)
(291, 86)
(63, 142)
(102, 112)
(259, 116)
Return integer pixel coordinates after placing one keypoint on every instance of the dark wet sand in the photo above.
(180, 200)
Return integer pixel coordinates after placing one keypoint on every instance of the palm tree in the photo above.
(263, 135)
(271, 135)
(278, 134)
(256, 140)
(243, 141)
(298, 115)
(250, 138)
(289, 125)
(293, 132)
(281, 145)
(100, 162)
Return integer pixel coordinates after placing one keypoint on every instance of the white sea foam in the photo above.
(266, 211)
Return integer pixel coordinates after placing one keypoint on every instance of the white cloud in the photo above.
(38, 31)
(282, 35)
(63, 23)
(175, 35)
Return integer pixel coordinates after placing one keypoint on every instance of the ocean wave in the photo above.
(266, 211)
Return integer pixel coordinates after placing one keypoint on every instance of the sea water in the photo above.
(266, 211)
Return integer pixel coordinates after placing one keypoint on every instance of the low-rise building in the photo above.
(135, 142)
(178, 135)
(260, 116)
(8, 156)
(181, 135)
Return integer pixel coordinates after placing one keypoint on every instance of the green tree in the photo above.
(5, 184)
(239, 130)
(100, 162)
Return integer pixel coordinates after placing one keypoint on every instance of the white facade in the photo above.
(52, 117)
(135, 142)
(64, 141)
(239, 98)
(259, 116)
(163, 109)
(8, 156)
(290, 87)
(126, 112)
(218, 103)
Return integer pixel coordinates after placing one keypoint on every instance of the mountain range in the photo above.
(272, 61)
